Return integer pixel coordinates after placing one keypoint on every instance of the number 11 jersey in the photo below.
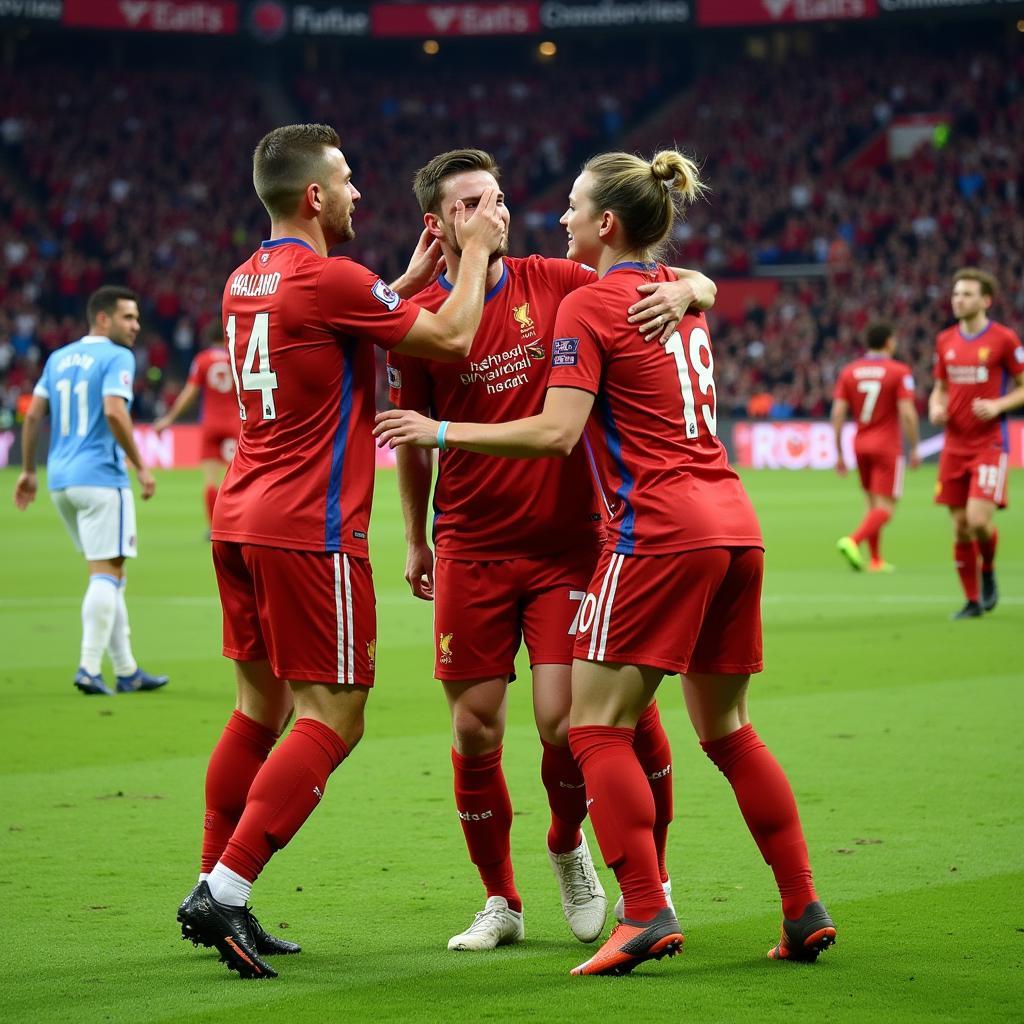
(300, 330)
(652, 441)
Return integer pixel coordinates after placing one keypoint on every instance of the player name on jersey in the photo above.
(254, 285)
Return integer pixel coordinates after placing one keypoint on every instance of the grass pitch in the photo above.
(901, 733)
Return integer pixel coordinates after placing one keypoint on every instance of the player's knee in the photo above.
(554, 730)
(474, 735)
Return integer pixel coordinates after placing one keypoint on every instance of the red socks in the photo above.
(238, 756)
(965, 556)
(987, 550)
(482, 800)
(622, 813)
(655, 756)
(567, 797)
(766, 802)
(210, 497)
(283, 795)
(870, 530)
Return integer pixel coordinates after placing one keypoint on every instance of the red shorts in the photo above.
(312, 614)
(218, 444)
(971, 475)
(695, 611)
(881, 474)
(483, 609)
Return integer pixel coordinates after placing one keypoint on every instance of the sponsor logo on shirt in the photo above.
(983, 354)
(444, 645)
(500, 371)
(385, 296)
(967, 374)
(395, 378)
(565, 351)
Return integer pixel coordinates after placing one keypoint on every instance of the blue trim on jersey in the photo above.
(332, 530)
(633, 265)
(974, 337)
(275, 242)
(448, 286)
(613, 439)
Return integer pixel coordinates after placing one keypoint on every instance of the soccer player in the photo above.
(89, 385)
(209, 377)
(516, 544)
(677, 589)
(973, 360)
(290, 524)
(880, 391)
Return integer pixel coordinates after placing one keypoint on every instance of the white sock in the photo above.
(99, 606)
(229, 887)
(120, 646)
(204, 876)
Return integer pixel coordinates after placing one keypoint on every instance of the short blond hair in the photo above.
(983, 277)
(646, 195)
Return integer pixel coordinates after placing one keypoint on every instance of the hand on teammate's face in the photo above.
(485, 225)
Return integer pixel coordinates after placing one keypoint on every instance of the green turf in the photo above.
(901, 732)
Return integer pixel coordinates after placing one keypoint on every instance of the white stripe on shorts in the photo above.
(897, 486)
(608, 607)
(1001, 480)
(339, 616)
(351, 676)
(595, 630)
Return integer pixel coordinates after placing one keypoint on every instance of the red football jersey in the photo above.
(873, 386)
(976, 367)
(663, 474)
(487, 507)
(211, 373)
(299, 329)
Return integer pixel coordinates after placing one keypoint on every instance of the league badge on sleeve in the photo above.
(385, 296)
(565, 351)
(126, 380)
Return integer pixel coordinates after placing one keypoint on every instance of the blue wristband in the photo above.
(441, 431)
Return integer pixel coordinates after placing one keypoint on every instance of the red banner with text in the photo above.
(455, 19)
(782, 12)
(205, 17)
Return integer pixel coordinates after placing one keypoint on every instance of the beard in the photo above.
(337, 223)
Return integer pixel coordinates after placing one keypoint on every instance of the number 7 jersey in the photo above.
(300, 330)
(652, 437)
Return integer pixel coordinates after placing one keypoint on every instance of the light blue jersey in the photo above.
(83, 452)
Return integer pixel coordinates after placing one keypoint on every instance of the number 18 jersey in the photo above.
(300, 329)
(652, 438)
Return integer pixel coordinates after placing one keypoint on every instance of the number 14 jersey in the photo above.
(652, 441)
(300, 330)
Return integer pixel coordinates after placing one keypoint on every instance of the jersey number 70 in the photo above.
(264, 379)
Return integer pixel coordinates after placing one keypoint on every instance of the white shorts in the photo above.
(101, 520)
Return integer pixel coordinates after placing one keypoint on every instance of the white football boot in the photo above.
(583, 900)
(667, 886)
(496, 925)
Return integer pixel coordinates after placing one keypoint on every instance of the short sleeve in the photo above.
(409, 382)
(195, 373)
(1013, 359)
(840, 391)
(906, 387)
(939, 367)
(356, 302)
(42, 388)
(577, 354)
(119, 374)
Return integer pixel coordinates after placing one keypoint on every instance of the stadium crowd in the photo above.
(131, 190)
